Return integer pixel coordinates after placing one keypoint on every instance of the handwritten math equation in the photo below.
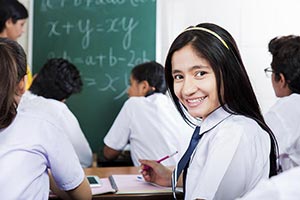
(105, 61)
(56, 4)
(85, 27)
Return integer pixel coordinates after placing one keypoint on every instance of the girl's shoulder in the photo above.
(244, 126)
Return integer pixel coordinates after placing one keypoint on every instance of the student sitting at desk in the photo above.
(148, 120)
(29, 144)
(284, 117)
(13, 16)
(57, 80)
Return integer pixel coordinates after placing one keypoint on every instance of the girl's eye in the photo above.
(177, 77)
(201, 73)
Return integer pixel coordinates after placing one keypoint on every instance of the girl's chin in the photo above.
(195, 114)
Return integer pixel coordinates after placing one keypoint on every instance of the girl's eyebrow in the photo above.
(175, 71)
(191, 69)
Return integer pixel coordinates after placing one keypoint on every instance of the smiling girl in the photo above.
(206, 78)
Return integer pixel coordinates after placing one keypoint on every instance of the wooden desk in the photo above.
(107, 171)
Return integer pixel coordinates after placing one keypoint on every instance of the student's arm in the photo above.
(81, 192)
(157, 173)
(110, 154)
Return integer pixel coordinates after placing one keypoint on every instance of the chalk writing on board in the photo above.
(86, 28)
(103, 61)
(110, 85)
(55, 4)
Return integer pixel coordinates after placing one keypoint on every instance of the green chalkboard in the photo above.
(104, 39)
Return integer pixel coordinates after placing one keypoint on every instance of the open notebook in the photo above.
(128, 184)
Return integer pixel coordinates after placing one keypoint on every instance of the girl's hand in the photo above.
(156, 173)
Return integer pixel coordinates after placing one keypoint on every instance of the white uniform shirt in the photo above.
(229, 160)
(28, 147)
(284, 120)
(153, 127)
(58, 113)
(285, 186)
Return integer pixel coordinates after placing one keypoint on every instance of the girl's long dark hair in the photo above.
(12, 70)
(233, 84)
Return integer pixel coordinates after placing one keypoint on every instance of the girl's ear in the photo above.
(144, 87)
(9, 23)
(21, 86)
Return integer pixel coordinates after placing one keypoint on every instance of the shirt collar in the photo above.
(214, 119)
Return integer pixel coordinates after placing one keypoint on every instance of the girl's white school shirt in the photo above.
(284, 120)
(59, 114)
(152, 126)
(284, 186)
(28, 148)
(229, 160)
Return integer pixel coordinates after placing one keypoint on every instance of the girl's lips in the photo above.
(195, 101)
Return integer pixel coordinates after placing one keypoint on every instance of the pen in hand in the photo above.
(160, 160)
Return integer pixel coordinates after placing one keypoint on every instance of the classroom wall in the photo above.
(252, 23)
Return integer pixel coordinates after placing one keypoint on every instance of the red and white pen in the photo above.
(160, 160)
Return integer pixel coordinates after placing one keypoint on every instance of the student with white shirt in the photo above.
(31, 145)
(284, 116)
(148, 120)
(207, 78)
(57, 80)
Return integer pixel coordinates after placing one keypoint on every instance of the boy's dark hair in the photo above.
(286, 60)
(58, 79)
(11, 9)
(153, 73)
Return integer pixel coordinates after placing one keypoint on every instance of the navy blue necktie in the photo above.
(183, 163)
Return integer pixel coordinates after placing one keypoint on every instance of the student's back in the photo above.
(58, 113)
(148, 120)
(154, 128)
(56, 81)
(283, 117)
(31, 147)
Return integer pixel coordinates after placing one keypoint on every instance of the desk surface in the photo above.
(104, 172)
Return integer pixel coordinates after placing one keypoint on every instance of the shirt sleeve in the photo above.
(73, 131)
(62, 159)
(264, 190)
(118, 135)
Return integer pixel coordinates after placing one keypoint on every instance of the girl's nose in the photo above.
(189, 87)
